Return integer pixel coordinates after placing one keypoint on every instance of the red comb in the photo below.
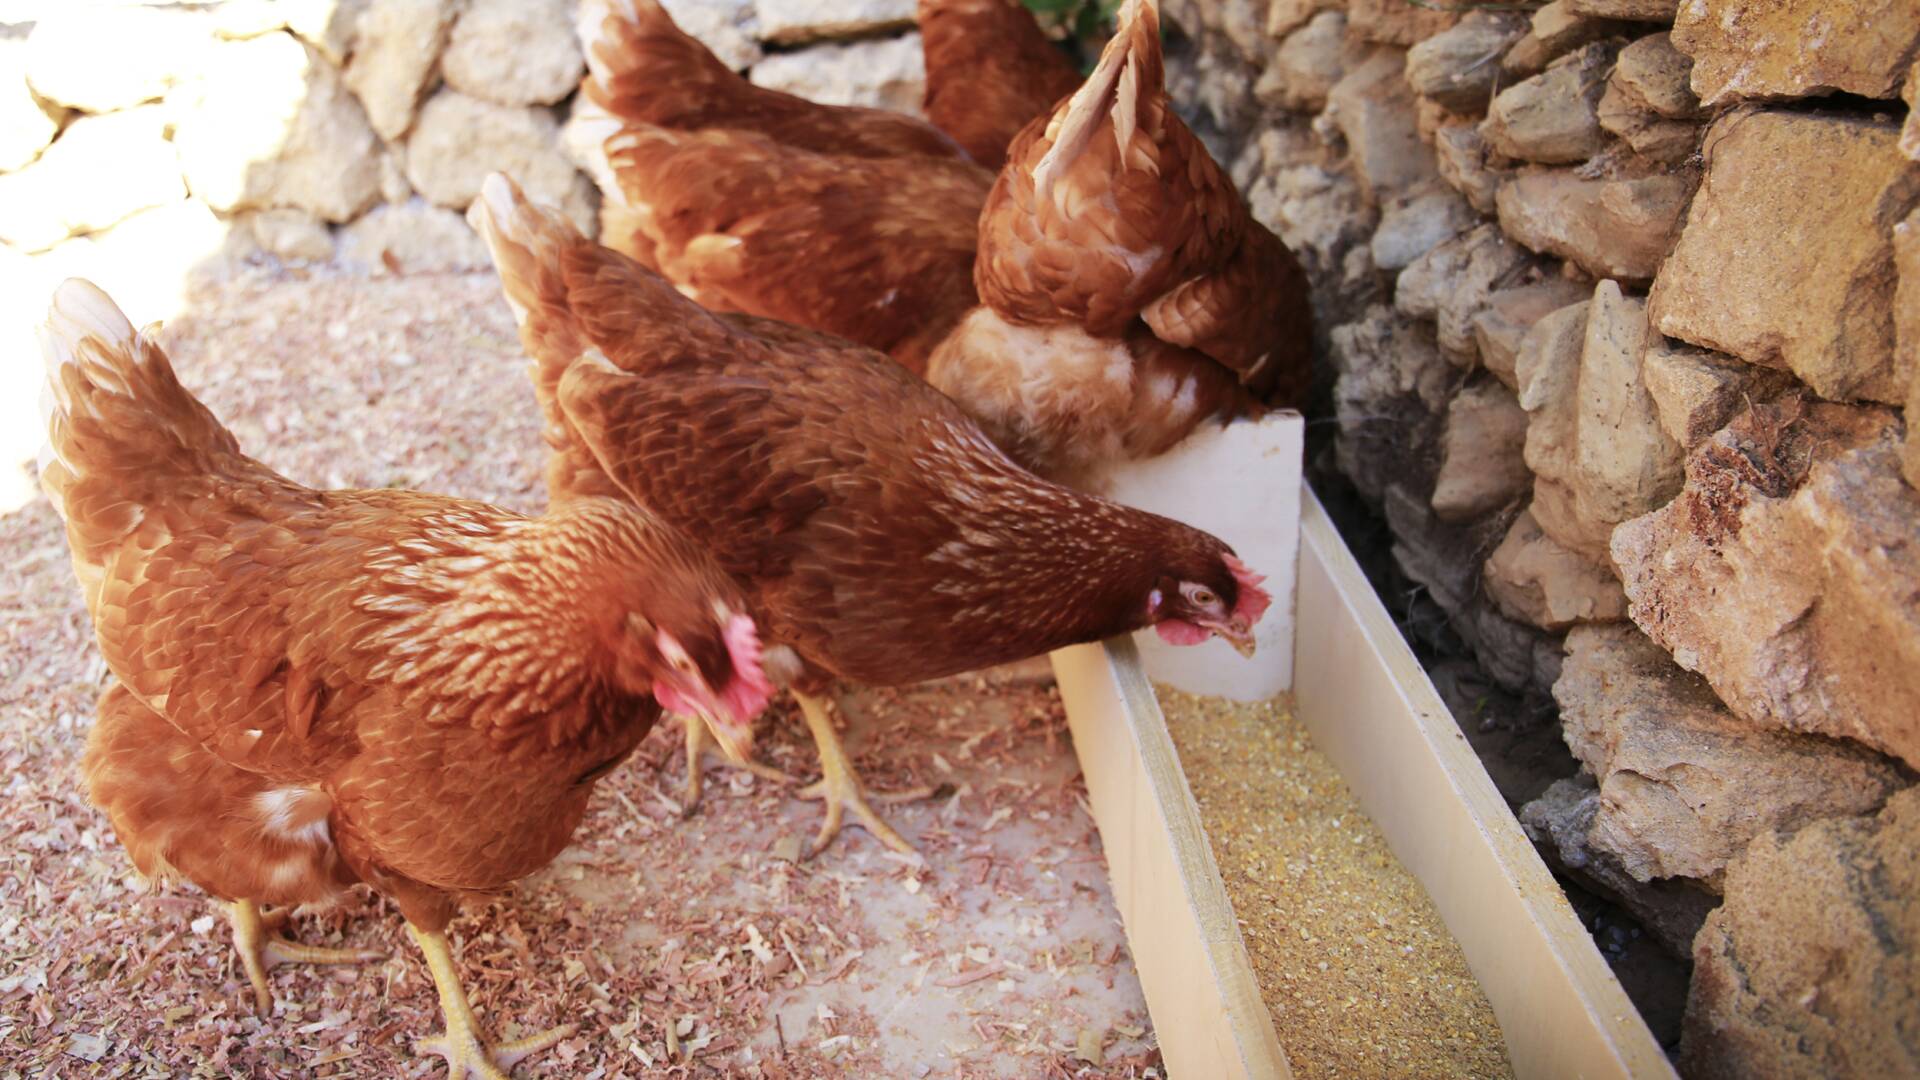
(1253, 601)
(749, 690)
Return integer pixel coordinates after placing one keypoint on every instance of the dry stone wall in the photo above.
(1622, 303)
(191, 138)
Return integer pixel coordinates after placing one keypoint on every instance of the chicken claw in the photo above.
(839, 786)
(260, 953)
(466, 1053)
(698, 739)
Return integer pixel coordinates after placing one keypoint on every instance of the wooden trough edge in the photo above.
(1373, 712)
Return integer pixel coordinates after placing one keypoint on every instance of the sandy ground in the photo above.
(681, 948)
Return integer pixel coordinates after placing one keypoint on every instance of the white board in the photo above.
(1241, 483)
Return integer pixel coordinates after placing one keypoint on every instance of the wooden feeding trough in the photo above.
(1370, 708)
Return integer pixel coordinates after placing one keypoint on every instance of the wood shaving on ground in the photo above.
(683, 948)
(1356, 967)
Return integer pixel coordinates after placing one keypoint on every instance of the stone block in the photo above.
(1537, 580)
(1808, 968)
(1786, 570)
(1790, 266)
(102, 170)
(458, 140)
(1459, 67)
(1451, 283)
(514, 52)
(1619, 228)
(1695, 392)
(1553, 117)
(83, 59)
(887, 73)
(1797, 48)
(270, 124)
(1503, 323)
(1482, 462)
(794, 22)
(1373, 109)
(395, 49)
(1684, 784)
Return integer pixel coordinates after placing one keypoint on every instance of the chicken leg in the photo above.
(260, 951)
(466, 1053)
(698, 739)
(839, 785)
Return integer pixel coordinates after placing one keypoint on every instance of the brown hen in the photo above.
(318, 688)
(876, 531)
(1129, 295)
(990, 70)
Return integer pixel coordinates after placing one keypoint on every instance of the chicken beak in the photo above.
(734, 739)
(1237, 634)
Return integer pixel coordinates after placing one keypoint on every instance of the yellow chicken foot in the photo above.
(260, 953)
(839, 785)
(466, 1054)
(698, 739)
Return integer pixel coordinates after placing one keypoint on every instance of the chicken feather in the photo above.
(322, 687)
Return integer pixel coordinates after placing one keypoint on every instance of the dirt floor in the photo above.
(681, 948)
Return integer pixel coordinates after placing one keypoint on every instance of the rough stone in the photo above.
(1626, 465)
(413, 238)
(1695, 392)
(1467, 165)
(458, 140)
(79, 59)
(1325, 219)
(1561, 820)
(1684, 784)
(1906, 332)
(514, 52)
(1535, 579)
(1611, 228)
(393, 58)
(1556, 29)
(1653, 73)
(1910, 132)
(1396, 22)
(1786, 571)
(1373, 109)
(887, 74)
(1414, 226)
(101, 170)
(1391, 390)
(328, 25)
(1307, 64)
(793, 22)
(1286, 16)
(1482, 462)
(269, 124)
(1797, 48)
(729, 28)
(1547, 368)
(1451, 283)
(1654, 11)
(1553, 117)
(1791, 266)
(1458, 67)
(27, 123)
(1668, 142)
(291, 234)
(1243, 24)
(1502, 324)
(1808, 969)
(1445, 559)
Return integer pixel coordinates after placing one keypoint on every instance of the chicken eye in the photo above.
(682, 662)
(1203, 597)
